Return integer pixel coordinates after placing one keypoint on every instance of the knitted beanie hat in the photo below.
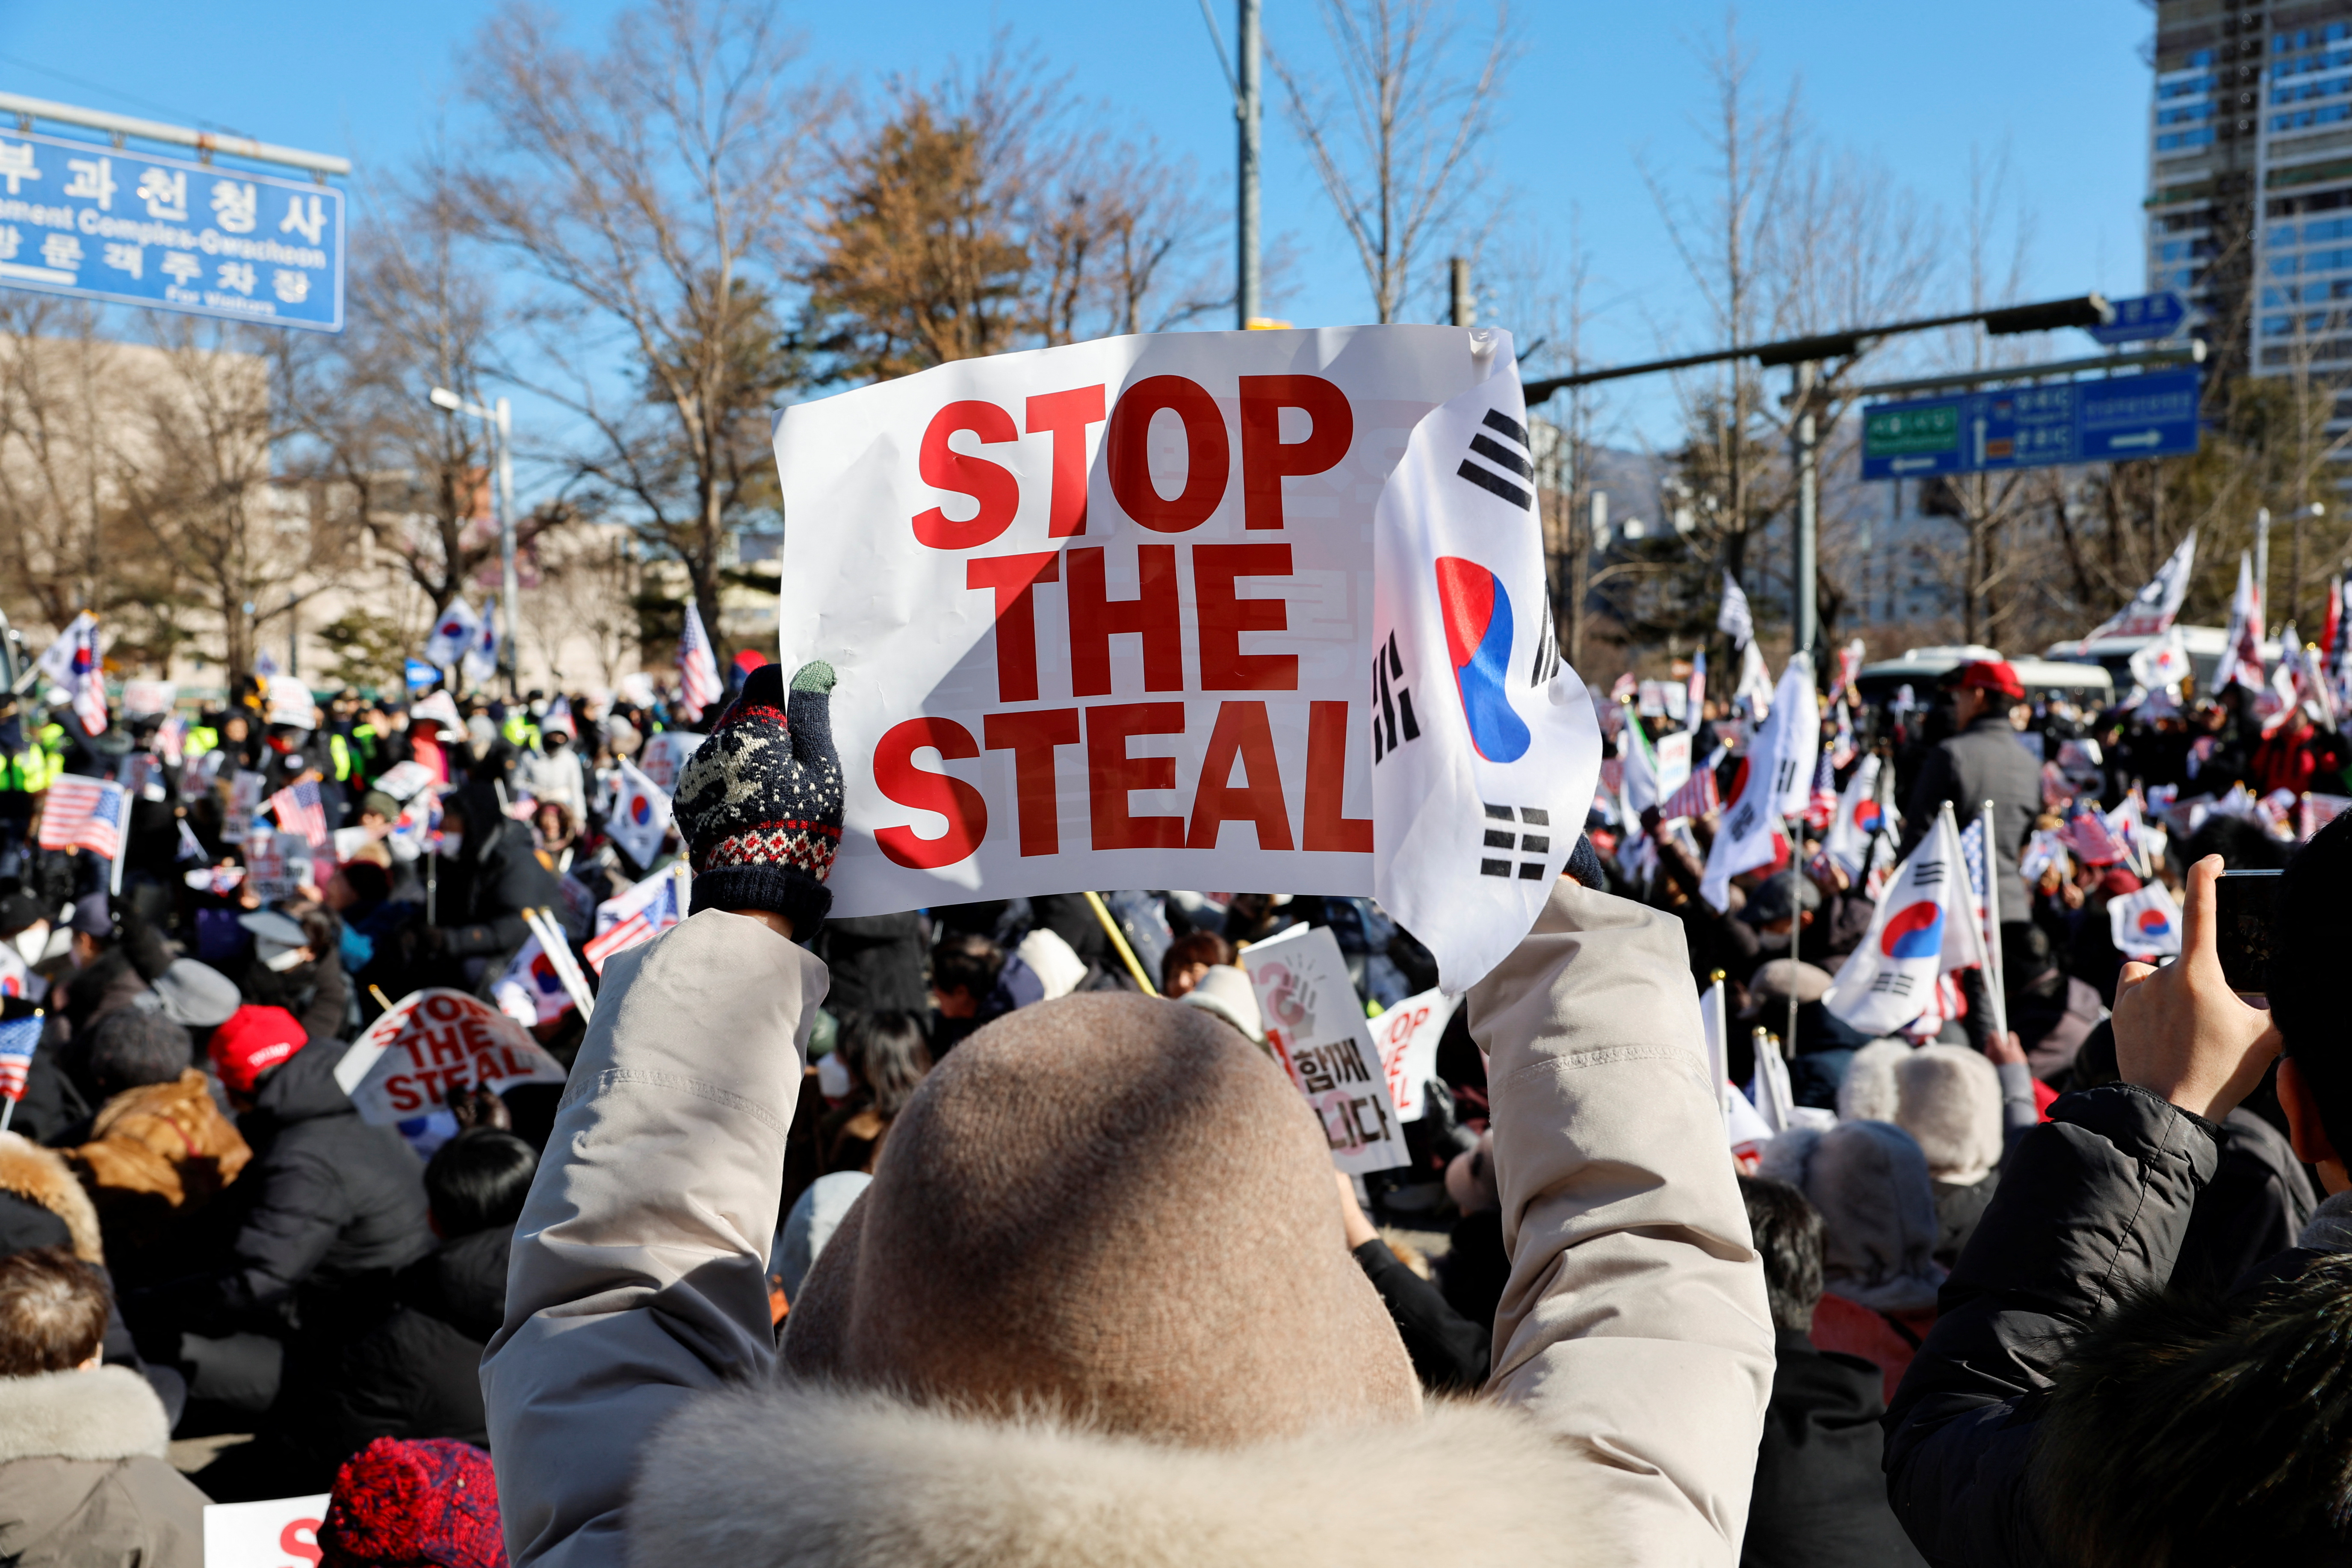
(760, 803)
(425, 1503)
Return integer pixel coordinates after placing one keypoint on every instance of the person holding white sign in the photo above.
(1100, 1282)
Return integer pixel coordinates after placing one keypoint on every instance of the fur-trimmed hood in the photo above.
(42, 1176)
(108, 1414)
(800, 1474)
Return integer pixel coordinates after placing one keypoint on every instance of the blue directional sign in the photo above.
(90, 220)
(2103, 421)
(2142, 316)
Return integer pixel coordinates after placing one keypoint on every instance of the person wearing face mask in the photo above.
(488, 874)
(552, 772)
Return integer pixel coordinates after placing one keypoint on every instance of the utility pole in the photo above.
(1248, 306)
(1466, 308)
(2262, 566)
(509, 642)
(1805, 448)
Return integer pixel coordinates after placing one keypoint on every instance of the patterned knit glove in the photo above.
(760, 803)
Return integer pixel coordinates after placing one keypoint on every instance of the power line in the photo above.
(147, 103)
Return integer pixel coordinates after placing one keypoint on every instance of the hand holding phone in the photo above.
(2245, 933)
(2182, 1031)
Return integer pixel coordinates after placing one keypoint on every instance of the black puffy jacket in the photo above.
(411, 1368)
(1819, 1499)
(331, 1208)
(2093, 1203)
(481, 897)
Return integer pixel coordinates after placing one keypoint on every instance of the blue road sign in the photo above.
(2143, 316)
(2103, 421)
(90, 220)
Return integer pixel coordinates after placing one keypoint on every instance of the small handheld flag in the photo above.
(19, 1037)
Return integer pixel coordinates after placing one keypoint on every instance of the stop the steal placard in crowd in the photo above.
(431, 1042)
(1213, 609)
(282, 1533)
(1315, 1026)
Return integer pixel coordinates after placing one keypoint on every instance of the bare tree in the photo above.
(656, 195)
(59, 381)
(1397, 154)
(423, 314)
(1795, 238)
(197, 475)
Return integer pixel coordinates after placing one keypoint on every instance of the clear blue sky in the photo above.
(1913, 84)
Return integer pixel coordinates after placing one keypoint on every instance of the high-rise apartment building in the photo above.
(2250, 179)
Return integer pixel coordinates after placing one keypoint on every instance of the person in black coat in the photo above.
(489, 873)
(410, 1367)
(314, 1230)
(1819, 1499)
(2068, 1406)
(875, 963)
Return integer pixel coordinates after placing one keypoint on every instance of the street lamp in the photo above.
(501, 436)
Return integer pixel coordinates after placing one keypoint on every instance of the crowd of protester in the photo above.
(1994, 1294)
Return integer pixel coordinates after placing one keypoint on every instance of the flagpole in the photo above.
(1722, 1043)
(1796, 921)
(1994, 981)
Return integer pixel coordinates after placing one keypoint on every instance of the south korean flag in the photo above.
(640, 815)
(1925, 925)
(1473, 815)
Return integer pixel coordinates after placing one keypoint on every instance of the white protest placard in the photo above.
(145, 697)
(243, 802)
(281, 1533)
(1674, 754)
(1407, 1035)
(665, 753)
(431, 1042)
(269, 869)
(403, 779)
(1315, 1025)
(1107, 619)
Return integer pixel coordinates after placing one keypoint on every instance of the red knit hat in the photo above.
(430, 1502)
(253, 1040)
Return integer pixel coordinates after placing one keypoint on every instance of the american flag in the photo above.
(698, 668)
(1697, 797)
(298, 811)
(1843, 748)
(19, 1037)
(2087, 838)
(641, 914)
(86, 814)
(1821, 805)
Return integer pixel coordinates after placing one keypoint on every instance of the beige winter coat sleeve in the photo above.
(1634, 1323)
(638, 1277)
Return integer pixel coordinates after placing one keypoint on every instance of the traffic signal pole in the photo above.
(1805, 357)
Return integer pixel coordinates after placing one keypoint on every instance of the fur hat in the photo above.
(1870, 1182)
(1949, 1100)
(1037, 1195)
(1868, 1092)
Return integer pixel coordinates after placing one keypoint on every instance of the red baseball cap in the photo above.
(253, 1040)
(1988, 675)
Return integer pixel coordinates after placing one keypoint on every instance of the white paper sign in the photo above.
(142, 697)
(1315, 1025)
(431, 1042)
(1407, 1035)
(665, 755)
(281, 1533)
(1107, 617)
(269, 865)
(244, 801)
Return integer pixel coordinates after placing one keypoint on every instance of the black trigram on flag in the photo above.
(1507, 837)
(1516, 458)
(1547, 661)
(1392, 719)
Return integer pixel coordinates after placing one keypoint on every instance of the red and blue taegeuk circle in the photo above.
(1916, 930)
(1477, 615)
